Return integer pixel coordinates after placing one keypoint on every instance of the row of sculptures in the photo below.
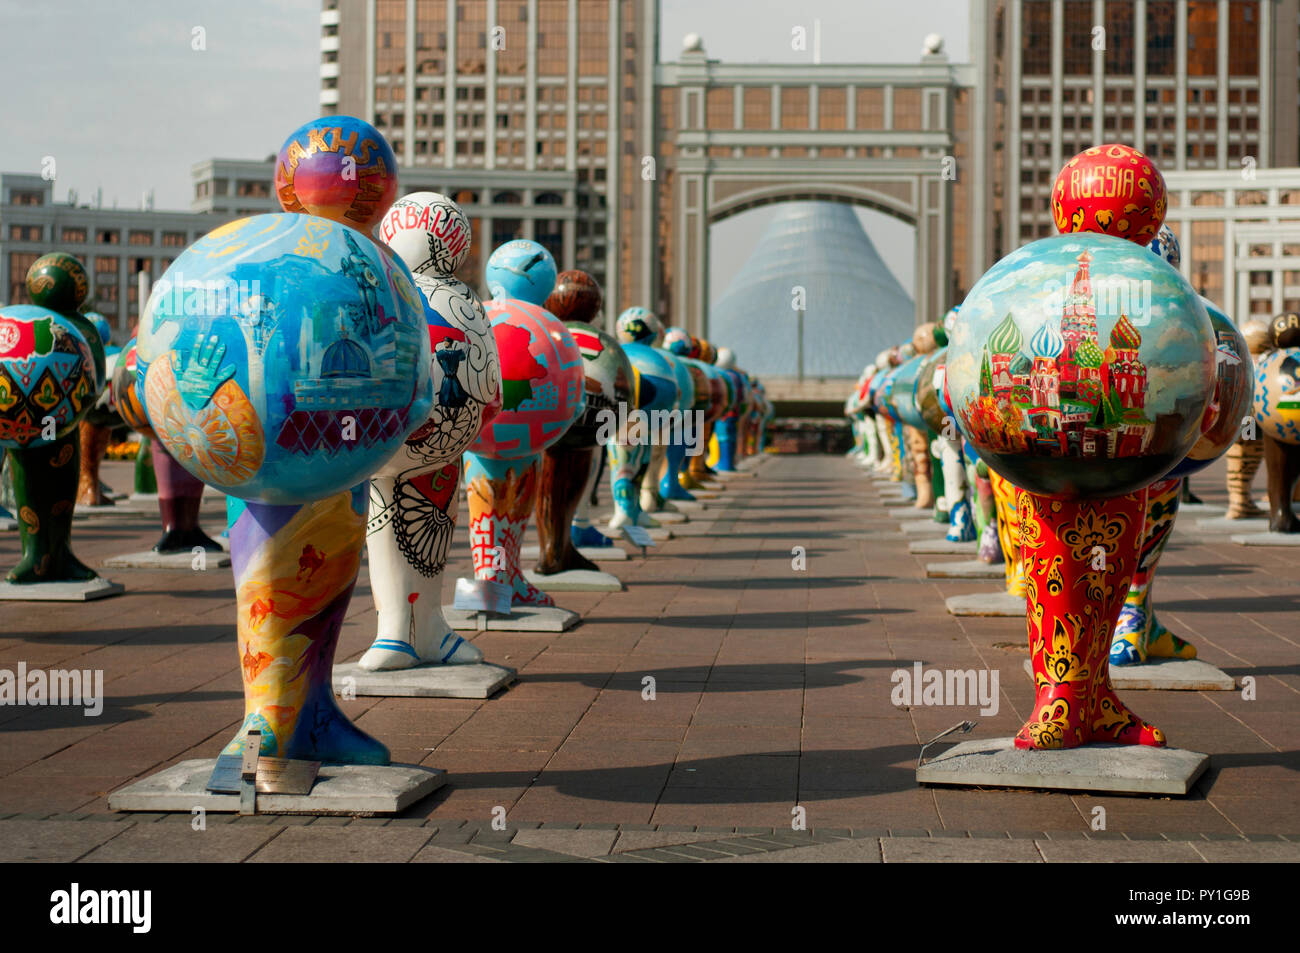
(342, 390)
(1055, 416)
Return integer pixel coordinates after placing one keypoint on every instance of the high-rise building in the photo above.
(1208, 88)
(524, 104)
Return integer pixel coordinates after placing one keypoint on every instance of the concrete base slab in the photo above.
(729, 474)
(1166, 674)
(690, 507)
(964, 569)
(480, 680)
(988, 604)
(597, 554)
(521, 619)
(575, 580)
(896, 502)
(942, 547)
(8, 524)
(181, 561)
(658, 533)
(144, 498)
(1221, 524)
(923, 527)
(347, 789)
(60, 591)
(1115, 769)
(669, 516)
(1201, 510)
(121, 508)
(1267, 539)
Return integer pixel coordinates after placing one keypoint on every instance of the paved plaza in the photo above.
(771, 697)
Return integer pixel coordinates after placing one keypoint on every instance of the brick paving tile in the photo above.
(157, 842)
(898, 850)
(338, 845)
(773, 690)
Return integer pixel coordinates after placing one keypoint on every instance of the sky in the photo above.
(127, 95)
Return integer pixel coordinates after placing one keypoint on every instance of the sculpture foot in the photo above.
(588, 536)
(320, 732)
(1061, 723)
(64, 567)
(185, 540)
(1245, 511)
(388, 655)
(1283, 523)
(1164, 644)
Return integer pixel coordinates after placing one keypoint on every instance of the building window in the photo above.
(26, 197)
(1160, 38)
(108, 236)
(253, 189)
(138, 237)
(105, 266)
(19, 263)
(73, 236)
(1036, 42)
(173, 239)
(26, 233)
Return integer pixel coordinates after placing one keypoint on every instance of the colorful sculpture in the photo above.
(569, 465)
(542, 395)
(96, 428)
(629, 459)
(51, 372)
(1082, 431)
(1139, 634)
(339, 168)
(1277, 409)
(287, 398)
(1110, 189)
(414, 498)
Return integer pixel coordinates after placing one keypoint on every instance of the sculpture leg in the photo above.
(697, 470)
(1004, 495)
(180, 494)
(918, 452)
(1244, 458)
(562, 482)
(45, 489)
(582, 532)
(1138, 633)
(870, 442)
(1079, 557)
(295, 568)
(651, 500)
(961, 523)
(146, 481)
(670, 487)
(883, 430)
(408, 535)
(501, 498)
(726, 433)
(94, 441)
(1283, 463)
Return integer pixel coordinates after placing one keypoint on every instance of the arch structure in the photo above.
(738, 136)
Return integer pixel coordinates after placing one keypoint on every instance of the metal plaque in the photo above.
(482, 595)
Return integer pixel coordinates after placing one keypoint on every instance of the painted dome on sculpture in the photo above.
(853, 303)
(1006, 338)
(1047, 342)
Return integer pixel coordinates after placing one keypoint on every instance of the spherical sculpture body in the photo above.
(521, 270)
(126, 396)
(541, 381)
(608, 381)
(1111, 189)
(47, 376)
(1234, 392)
(1080, 367)
(641, 326)
(577, 297)
(337, 167)
(284, 358)
(1277, 394)
(658, 388)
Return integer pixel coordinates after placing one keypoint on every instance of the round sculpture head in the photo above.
(429, 232)
(1234, 392)
(726, 358)
(1258, 335)
(639, 326)
(708, 353)
(522, 270)
(48, 376)
(1284, 330)
(1277, 394)
(125, 396)
(577, 297)
(949, 320)
(902, 395)
(58, 281)
(1111, 189)
(658, 390)
(607, 379)
(281, 376)
(337, 167)
(466, 374)
(1080, 367)
(1165, 245)
(927, 337)
(677, 341)
(542, 381)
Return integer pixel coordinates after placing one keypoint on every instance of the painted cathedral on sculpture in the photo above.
(1065, 397)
